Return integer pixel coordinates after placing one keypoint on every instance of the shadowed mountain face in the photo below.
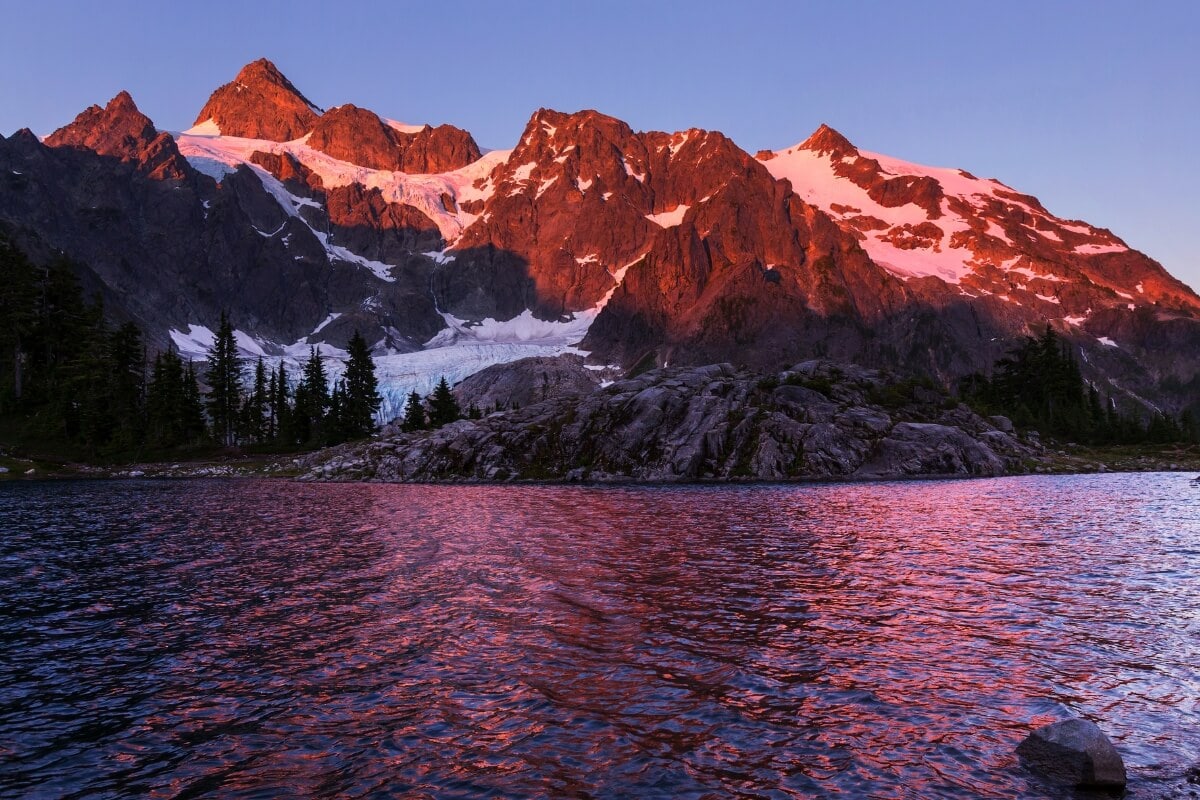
(649, 247)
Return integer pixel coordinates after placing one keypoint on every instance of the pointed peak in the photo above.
(827, 140)
(99, 128)
(121, 131)
(121, 102)
(260, 103)
(546, 123)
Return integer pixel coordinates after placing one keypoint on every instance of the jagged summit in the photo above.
(260, 103)
(122, 131)
(825, 140)
(361, 137)
(637, 246)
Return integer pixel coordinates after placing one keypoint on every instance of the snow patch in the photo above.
(1097, 249)
(1107, 342)
(195, 343)
(207, 128)
(669, 219)
(403, 127)
(546, 184)
(439, 256)
(325, 322)
(218, 156)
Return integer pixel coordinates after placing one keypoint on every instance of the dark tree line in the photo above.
(438, 409)
(1039, 385)
(68, 378)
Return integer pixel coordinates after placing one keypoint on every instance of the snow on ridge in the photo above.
(813, 178)
(207, 128)
(403, 127)
(1097, 249)
(218, 156)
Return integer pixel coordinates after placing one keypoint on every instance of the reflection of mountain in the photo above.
(636, 247)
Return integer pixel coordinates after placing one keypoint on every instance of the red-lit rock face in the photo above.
(121, 131)
(260, 103)
(356, 135)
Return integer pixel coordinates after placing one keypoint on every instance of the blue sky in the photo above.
(1092, 106)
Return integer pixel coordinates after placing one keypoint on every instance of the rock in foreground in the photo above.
(1074, 753)
(818, 420)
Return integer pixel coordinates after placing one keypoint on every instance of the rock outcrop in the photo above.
(260, 103)
(358, 136)
(817, 420)
(528, 381)
(1074, 752)
(121, 131)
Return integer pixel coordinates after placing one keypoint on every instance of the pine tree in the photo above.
(192, 412)
(312, 399)
(281, 409)
(443, 407)
(361, 401)
(225, 384)
(414, 414)
(337, 423)
(18, 317)
(126, 387)
(165, 402)
(254, 409)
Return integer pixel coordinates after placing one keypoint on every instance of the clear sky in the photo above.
(1092, 106)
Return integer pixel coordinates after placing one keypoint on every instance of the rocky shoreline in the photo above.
(819, 421)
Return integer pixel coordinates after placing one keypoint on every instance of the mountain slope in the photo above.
(636, 247)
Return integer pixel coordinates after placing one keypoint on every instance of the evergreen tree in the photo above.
(361, 400)
(224, 380)
(126, 387)
(414, 414)
(443, 407)
(192, 414)
(337, 421)
(18, 317)
(166, 402)
(254, 408)
(281, 409)
(312, 399)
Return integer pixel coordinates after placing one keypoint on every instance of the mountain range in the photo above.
(634, 248)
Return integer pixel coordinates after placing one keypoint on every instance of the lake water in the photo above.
(268, 639)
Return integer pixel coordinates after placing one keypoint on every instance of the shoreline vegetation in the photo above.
(79, 398)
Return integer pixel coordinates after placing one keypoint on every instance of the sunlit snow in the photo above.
(669, 219)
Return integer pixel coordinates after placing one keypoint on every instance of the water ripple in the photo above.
(264, 639)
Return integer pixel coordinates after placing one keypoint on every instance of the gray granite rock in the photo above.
(1074, 752)
(817, 421)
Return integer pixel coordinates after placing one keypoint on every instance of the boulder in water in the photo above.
(1074, 752)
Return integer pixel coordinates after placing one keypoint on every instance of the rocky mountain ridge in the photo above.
(647, 248)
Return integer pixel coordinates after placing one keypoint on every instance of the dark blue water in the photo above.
(268, 639)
